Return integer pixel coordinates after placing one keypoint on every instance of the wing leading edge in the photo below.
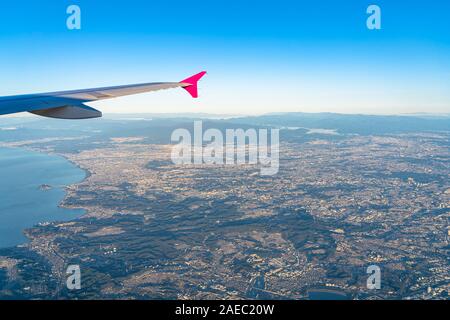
(71, 104)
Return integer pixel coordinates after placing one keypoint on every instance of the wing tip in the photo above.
(191, 84)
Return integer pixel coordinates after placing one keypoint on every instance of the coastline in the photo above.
(87, 175)
(64, 188)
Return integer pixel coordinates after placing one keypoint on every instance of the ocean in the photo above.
(31, 188)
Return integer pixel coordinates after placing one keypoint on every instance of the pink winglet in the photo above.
(191, 84)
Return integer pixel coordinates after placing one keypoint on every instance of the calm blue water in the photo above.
(326, 295)
(22, 203)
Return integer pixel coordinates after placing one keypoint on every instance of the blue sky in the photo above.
(262, 56)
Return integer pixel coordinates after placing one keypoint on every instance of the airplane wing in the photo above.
(71, 104)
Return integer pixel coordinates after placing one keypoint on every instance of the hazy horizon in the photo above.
(206, 114)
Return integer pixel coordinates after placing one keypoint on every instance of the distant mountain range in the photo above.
(347, 123)
(140, 124)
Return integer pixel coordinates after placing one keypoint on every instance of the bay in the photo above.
(31, 188)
